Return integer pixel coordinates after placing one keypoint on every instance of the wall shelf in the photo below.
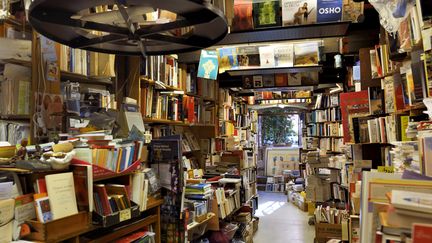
(75, 77)
(274, 70)
(298, 32)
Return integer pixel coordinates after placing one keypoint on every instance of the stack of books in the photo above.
(198, 191)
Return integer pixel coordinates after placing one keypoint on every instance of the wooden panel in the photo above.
(365, 65)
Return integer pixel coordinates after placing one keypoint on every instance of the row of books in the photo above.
(329, 215)
(227, 200)
(284, 101)
(110, 198)
(275, 187)
(290, 94)
(289, 55)
(227, 128)
(331, 144)
(247, 14)
(325, 129)
(86, 62)
(164, 69)
(15, 89)
(324, 101)
(380, 130)
(274, 80)
(327, 115)
(14, 132)
(114, 156)
(379, 61)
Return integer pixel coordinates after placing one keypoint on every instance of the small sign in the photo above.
(386, 169)
(125, 215)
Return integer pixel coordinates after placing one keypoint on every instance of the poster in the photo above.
(279, 159)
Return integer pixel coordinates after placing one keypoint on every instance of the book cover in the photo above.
(329, 11)
(421, 233)
(284, 55)
(360, 129)
(268, 80)
(208, 65)
(294, 79)
(248, 82)
(299, 12)
(227, 58)
(306, 54)
(258, 81)
(376, 97)
(389, 95)
(83, 182)
(352, 104)
(243, 18)
(41, 185)
(281, 79)
(309, 78)
(404, 36)
(266, 13)
(61, 193)
(399, 92)
(43, 209)
(352, 11)
(248, 56)
(413, 201)
(267, 57)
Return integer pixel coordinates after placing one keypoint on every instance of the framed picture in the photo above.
(279, 159)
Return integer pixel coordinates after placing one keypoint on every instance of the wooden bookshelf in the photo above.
(75, 77)
(146, 81)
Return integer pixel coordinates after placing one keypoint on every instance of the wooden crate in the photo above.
(59, 229)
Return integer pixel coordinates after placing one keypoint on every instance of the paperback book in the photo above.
(268, 80)
(267, 56)
(248, 56)
(329, 11)
(306, 54)
(266, 13)
(243, 18)
(284, 56)
(299, 12)
(208, 65)
(227, 58)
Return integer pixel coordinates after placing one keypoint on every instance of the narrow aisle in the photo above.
(281, 221)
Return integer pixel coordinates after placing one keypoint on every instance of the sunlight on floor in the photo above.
(268, 208)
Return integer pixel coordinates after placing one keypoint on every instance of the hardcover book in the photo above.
(284, 56)
(281, 79)
(389, 95)
(258, 81)
(267, 57)
(227, 58)
(243, 18)
(294, 79)
(269, 80)
(248, 82)
(306, 54)
(352, 10)
(248, 56)
(266, 13)
(299, 12)
(329, 11)
(352, 104)
(376, 98)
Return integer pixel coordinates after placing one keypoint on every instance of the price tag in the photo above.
(125, 215)
(386, 169)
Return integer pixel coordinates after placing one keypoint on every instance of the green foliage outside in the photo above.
(278, 129)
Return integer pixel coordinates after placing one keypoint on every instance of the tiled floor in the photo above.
(281, 221)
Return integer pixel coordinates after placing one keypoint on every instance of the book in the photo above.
(281, 79)
(41, 186)
(266, 13)
(352, 104)
(83, 182)
(376, 99)
(329, 11)
(389, 95)
(294, 79)
(248, 56)
(284, 55)
(412, 201)
(227, 59)
(268, 80)
(43, 209)
(6, 210)
(421, 233)
(258, 81)
(306, 54)
(352, 11)
(24, 208)
(61, 194)
(102, 204)
(243, 18)
(208, 65)
(248, 82)
(299, 12)
(267, 56)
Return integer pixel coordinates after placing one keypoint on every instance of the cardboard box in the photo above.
(325, 232)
